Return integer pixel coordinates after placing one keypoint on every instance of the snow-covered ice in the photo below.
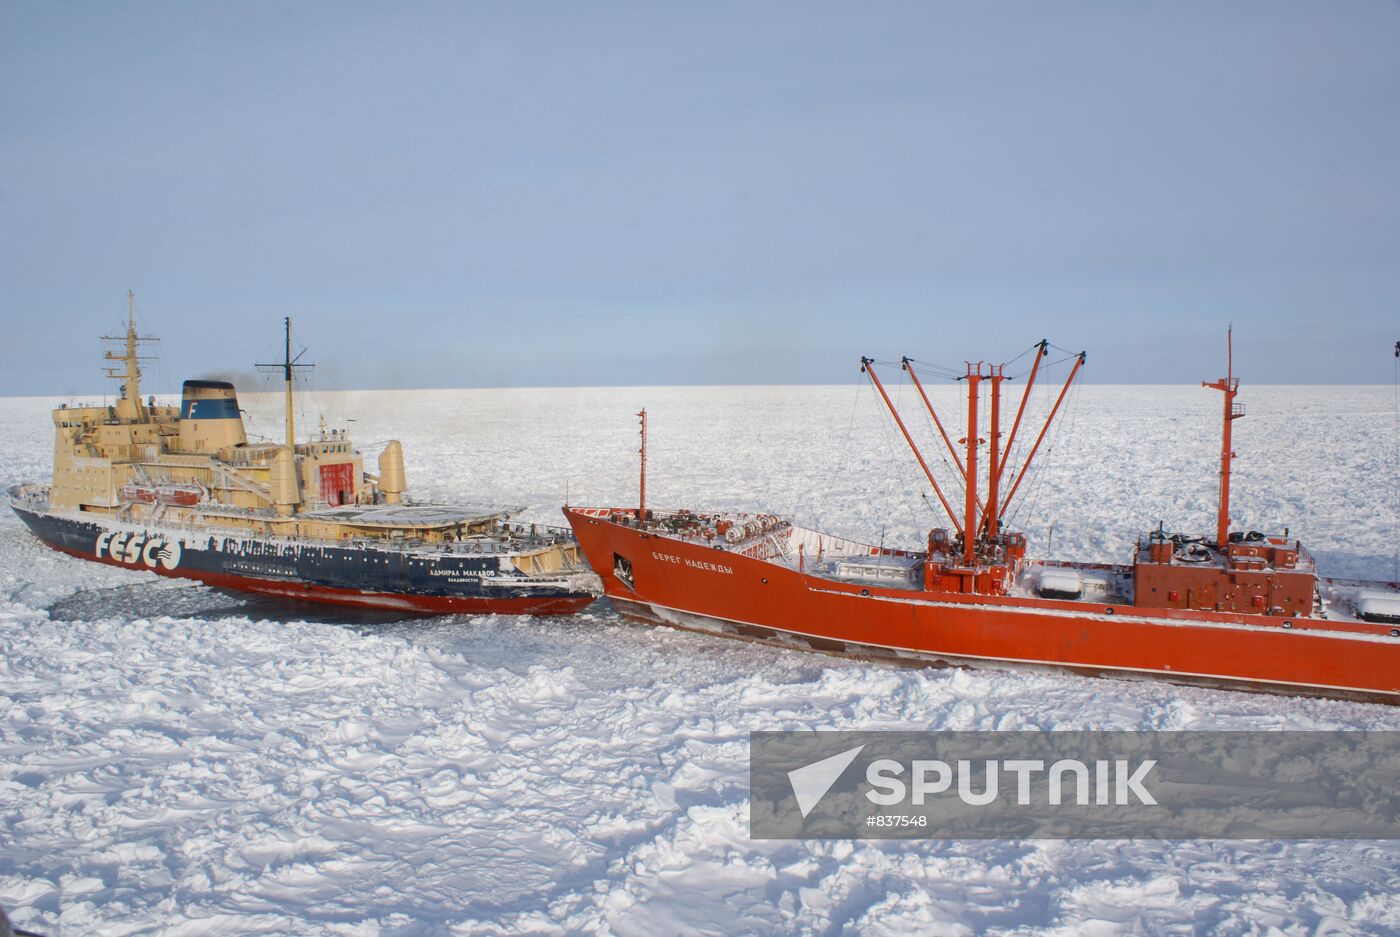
(178, 761)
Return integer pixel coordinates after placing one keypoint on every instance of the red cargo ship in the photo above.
(1246, 610)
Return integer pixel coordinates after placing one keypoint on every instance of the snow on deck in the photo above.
(410, 515)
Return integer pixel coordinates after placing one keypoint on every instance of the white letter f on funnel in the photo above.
(811, 782)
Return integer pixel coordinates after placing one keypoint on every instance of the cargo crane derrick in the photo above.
(978, 556)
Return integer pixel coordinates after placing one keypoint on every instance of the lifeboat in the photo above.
(138, 494)
(179, 495)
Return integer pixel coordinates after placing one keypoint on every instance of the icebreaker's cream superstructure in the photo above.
(321, 527)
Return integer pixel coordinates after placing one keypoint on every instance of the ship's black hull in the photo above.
(403, 580)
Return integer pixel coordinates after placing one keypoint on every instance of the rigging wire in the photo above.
(1021, 355)
(888, 429)
(908, 504)
(833, 472)
(1039, 407)
(935, 370)
(1065, 424)
(1031, 418)
(1043, 396)
(162, 380)
(301, 382)
(942, 451)
(264, 389)
(984, 405)
(1069, 357)
(939, 370)
(1043, 404)
(952, 481)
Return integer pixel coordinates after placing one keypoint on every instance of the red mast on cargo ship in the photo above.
(970, 498)
(990, 517)
(1228, 385)
(985, 555)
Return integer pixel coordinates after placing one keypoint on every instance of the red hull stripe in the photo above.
(330, 595)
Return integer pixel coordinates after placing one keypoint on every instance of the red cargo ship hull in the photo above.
(692, 584)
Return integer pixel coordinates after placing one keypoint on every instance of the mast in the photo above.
(287, 380)
(970, 500)
(994, 453)
(642, 486)
(988, 523)
(131, 381)
(286, 481)
(908, 364)
(1229, 387)
(129, 407)
(288, 366)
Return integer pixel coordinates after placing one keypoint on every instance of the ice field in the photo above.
(179, 761)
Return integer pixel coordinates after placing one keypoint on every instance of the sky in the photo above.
(495, 194)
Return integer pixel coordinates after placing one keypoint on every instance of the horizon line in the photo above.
(534, 387)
